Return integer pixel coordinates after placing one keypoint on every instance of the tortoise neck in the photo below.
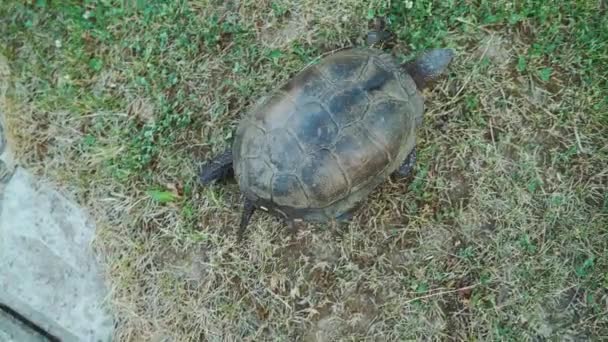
(429, 66)
(417, 75)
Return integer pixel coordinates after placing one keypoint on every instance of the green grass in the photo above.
(502, 233)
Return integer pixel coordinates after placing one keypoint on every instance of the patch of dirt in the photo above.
(459, 193)
(190, 265)
(439, 239)
(489, 226)
(354, 315)
(142, 110)
(324, 249)
(291, 253)
(361, 309)
(280, 33)
(495, 48)
(327, 329)
(457, 315)
(562, 313)
(551, 138)
(401, 260)
(536, 94)
(406, 240)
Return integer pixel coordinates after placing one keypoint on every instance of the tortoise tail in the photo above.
(220, 167)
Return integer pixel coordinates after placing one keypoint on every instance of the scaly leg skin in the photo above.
(218, 168)
(347, 217)
(408, 165)
(248, 210)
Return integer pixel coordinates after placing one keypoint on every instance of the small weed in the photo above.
(521, 64)
(585, 268)
(162, 196)
(527, 245)
(545, 74)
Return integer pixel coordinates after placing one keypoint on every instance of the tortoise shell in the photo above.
(319, 144)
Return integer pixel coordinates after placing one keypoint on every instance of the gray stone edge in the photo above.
(45, 323)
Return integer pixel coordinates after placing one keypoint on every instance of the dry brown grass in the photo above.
(491, 239)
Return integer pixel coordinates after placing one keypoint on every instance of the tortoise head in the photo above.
(429, 66)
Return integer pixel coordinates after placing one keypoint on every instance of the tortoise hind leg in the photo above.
(248, 210)
(347, 217)
(408, 165)
(218, 168)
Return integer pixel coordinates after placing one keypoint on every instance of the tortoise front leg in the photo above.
(218, 168)
(378, 34)
(408, 165)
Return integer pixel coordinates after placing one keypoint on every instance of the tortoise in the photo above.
(315, 147)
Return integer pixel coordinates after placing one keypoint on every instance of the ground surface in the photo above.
(499, 235)
(50, 276)
(49, 273)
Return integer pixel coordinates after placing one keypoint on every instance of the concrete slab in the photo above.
(48, 271)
